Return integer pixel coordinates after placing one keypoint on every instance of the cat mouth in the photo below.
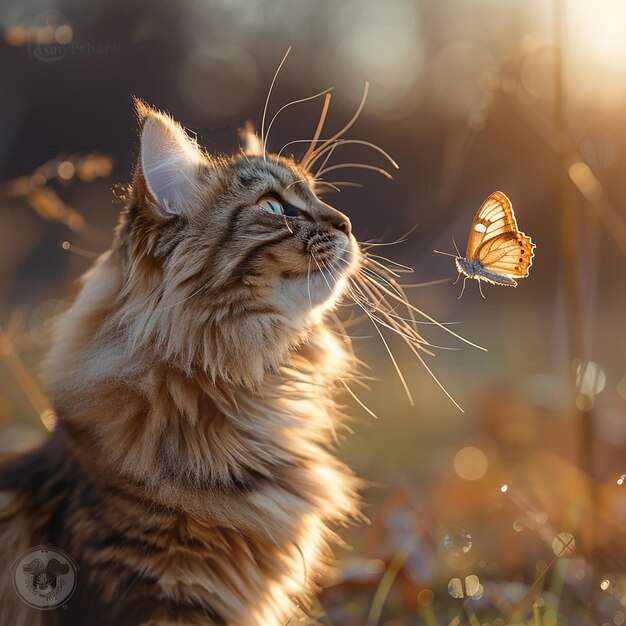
(340, 263)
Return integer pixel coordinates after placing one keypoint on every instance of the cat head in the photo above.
(227, 262)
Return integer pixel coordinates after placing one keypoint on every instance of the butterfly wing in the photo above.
(495, 240)
(509, 253)
(494, 217)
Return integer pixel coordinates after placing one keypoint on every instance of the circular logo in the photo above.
(49, 36)
(44, 577)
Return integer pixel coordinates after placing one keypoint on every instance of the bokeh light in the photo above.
(470, 463)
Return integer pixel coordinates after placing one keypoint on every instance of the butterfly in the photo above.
(497, 251)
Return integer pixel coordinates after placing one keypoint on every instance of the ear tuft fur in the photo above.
(250, 142)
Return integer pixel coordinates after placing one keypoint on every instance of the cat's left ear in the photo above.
(170, 161)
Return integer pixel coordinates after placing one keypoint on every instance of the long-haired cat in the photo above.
(190, 475)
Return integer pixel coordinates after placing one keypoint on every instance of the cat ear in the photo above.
(170, 161)
(251, 143)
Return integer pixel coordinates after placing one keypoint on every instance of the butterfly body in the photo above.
(475, 269)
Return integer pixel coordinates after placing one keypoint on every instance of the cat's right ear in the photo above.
(169, 162)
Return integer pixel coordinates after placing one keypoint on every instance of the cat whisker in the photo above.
(399, 292)
(395, 263)
(370, 273)
(359, 401)
(267, 99)
(287, 224)
(432, 375)
(416, 351)
(321, 272)
(426, 316)
(361, 166)
(366, 245)
(330, 153)
(401, 327)
(375, 244)
(294, 141)
(305, 163)
(342, 142)
(285, 106)
(296, 182)
(339, 183)
(318, 130)
(410, 339)
(390, 353)
(428, 283)
(331, 185)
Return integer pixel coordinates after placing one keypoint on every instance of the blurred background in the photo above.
(512, 511)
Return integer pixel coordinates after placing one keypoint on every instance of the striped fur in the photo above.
(191, 475)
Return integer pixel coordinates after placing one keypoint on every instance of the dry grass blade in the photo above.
(539, 578)
(27, 383)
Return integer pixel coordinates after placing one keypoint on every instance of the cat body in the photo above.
(191, 474)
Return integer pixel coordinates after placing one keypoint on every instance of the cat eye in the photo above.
(272, 205)
(276, 205)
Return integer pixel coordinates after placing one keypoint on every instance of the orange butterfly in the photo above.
(497, 251)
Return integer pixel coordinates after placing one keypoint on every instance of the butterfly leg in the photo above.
(480, 288)
(457, 279)
(463, 290)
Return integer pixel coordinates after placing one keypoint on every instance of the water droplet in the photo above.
(563, 544)
(621, 480)
(457, 543)
(504, 488)
(590, 378)
(455, 588)
(518, 526)
(472, 585)
(605, 583)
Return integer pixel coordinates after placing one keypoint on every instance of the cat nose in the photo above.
(343, 225)
(337, 219)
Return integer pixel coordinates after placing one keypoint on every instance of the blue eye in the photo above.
(272, 205)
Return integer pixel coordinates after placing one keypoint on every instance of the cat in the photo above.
(191, 475)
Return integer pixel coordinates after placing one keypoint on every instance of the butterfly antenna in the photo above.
(445, 253)
(463, 290)
(456, 247)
